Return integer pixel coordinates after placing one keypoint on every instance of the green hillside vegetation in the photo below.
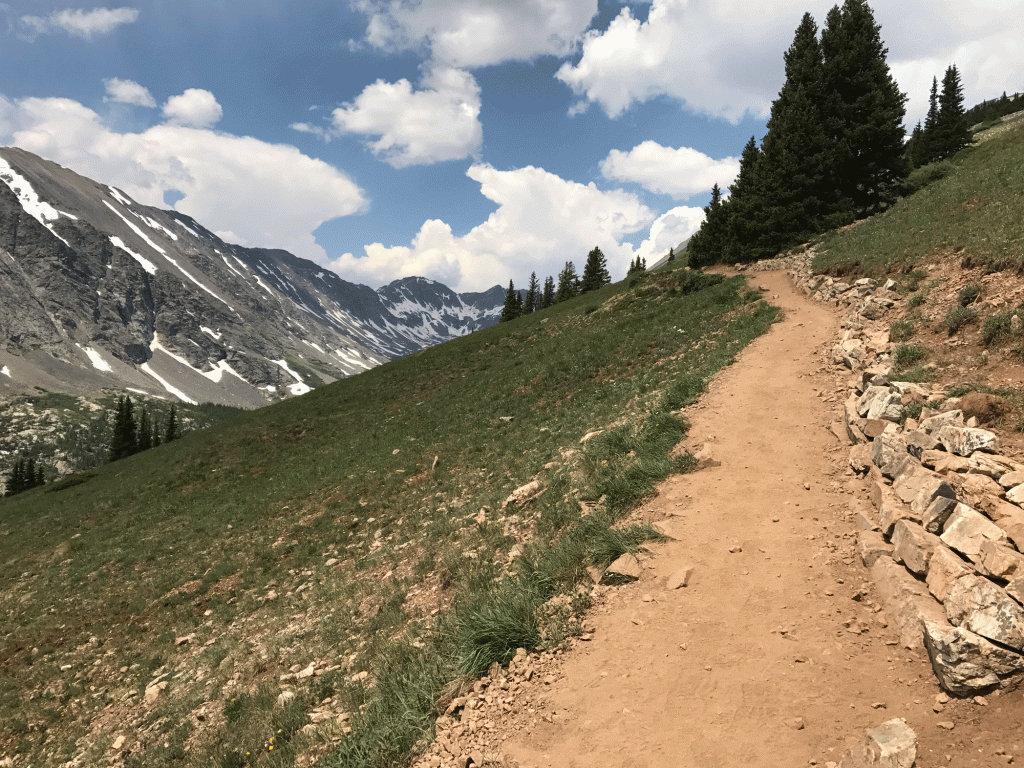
(970, 206)
(358, 528)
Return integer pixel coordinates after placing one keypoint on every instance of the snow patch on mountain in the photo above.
(97, 360)
(147, 265)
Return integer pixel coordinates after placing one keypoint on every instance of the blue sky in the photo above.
(468, 141)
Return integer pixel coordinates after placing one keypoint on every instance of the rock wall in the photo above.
(944, 534)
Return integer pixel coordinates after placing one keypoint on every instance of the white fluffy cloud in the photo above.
(416, 127)
(681, 173)
(81, 23)
(195, 108)
(670, 230)
(128, 92)
(725, 61)
(477, 33)
(267, 194)
(541, 222)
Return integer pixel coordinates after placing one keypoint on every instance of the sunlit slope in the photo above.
(343, 517)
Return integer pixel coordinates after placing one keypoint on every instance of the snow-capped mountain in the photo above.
(98, 291)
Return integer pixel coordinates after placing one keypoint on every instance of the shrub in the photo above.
(907, 355)
(925, 175)
(995, 328)
(968, 294)
(958, 317)
(915, 301)
(901, 330)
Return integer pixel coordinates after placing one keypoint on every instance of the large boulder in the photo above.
(1000, 562)
(963, 441)
(964, 663)
(913, 546)
(966, 530)
(906, 600)
(976, 604)
(944, 568)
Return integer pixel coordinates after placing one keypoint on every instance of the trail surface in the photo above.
(774, 654)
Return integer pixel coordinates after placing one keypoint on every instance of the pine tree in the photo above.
(513, 307)
(672, 252)
(952, 133)
(29, 477)
(568, 283)
(595, 272)
(15, 481)
(638, 265)
(171, 431)
(144, 441)
(915, 146)
(796, 179)
(532, 301)
(863, 109)
(709, 244)
(157, 438)
(123, 442)
(548, 297)
(40, 478)
(927, 148)
(744, 206)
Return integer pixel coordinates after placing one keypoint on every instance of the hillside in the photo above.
(341, 554)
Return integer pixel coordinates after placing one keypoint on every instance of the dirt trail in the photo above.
(756, 662)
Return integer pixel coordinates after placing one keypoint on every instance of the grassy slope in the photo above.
(975, 211)
(227, 535)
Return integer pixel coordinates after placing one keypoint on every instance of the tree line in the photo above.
(835, 148)
(993, 109)
(129, 436)
(570, 285)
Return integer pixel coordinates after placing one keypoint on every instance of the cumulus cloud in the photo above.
(266, 194)
(477, 33)
(195, 108)
(128, 92)
(670, 230)
(416, 127)
(80, 23)
(681, 173)
(541, 222)
(723, 61)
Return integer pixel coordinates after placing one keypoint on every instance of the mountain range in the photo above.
(101, 292)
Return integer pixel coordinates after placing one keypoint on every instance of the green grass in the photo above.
(397, 477)
(974, 210)
(906, 356)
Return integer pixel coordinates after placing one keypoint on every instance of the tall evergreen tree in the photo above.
(744, 205)
(863, 109)
(513, 306)
(123, 442)
(40, 478)
(144, 441)
(532, 301)
(172, 431)
(926, 149)
(16, 480)
(708, 244)
(548, 297)
(952, 133)
(672, 251)
(595, 272)
(568, 283)
(796, 179)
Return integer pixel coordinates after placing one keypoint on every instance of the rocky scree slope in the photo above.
(102, 292)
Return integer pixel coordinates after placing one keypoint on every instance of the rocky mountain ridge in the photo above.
(101, 292)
